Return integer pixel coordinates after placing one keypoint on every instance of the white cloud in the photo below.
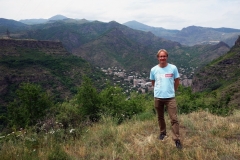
(171, 14)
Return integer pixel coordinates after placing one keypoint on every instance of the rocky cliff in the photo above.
(10, 46)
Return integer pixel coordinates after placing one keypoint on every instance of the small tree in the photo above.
(112, 101)
(88, 100)
(29, 106)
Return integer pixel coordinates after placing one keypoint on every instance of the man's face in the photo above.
(162, 57)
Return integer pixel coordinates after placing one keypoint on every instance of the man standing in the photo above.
(165, 80)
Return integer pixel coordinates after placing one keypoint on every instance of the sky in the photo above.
(169, 14)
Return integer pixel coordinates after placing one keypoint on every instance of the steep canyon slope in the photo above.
(42, 62)
(221, 75)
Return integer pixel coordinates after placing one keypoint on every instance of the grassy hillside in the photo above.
(204, 136)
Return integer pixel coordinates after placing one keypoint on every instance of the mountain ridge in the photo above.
(42, 20)
(129, 48)
(191, 35)
(78, 36)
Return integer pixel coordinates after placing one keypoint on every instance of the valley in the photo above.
(118, 53)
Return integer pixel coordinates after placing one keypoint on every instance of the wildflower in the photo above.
(52, 132)
(72, 130)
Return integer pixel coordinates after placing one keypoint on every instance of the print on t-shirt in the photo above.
(169, 75)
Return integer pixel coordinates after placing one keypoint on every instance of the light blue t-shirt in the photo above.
(164, 80)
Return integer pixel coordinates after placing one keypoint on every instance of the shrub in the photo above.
(87, 100)
(112, 101)
(116, 104)
(30, 105)
(189, 102)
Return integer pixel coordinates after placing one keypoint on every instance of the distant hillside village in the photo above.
(132, 81)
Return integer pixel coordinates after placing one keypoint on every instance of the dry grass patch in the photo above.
(204, 136)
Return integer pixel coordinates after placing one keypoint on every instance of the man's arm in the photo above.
(153, 82)
(176, 84)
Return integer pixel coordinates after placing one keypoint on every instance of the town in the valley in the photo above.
(139, 82)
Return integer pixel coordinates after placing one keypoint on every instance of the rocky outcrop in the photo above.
(186, 82)
(237, 43)
(48, 47)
